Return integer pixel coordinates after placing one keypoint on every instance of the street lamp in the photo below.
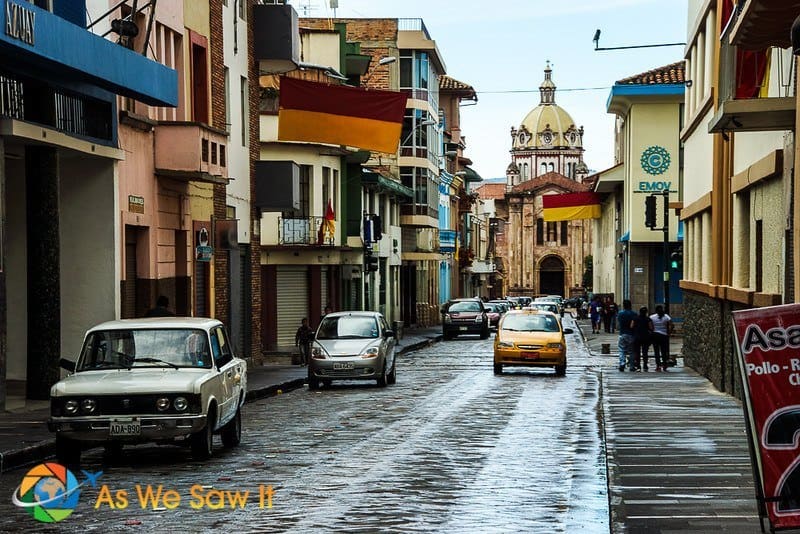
(425, 123)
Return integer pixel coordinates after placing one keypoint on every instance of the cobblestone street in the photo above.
(450, 448)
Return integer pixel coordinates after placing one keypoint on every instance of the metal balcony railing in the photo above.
(304, 231)
(32, 101)
(413, 25)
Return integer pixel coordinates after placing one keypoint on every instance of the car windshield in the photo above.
(530, 323)
(348, 327)
(125, 349)
(467, 306)
(491, 307)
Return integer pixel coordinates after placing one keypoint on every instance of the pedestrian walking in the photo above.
(583, 310)
(606, 315)
(613, 309)
(625, 343)
(642, 332)
(302, 339)
(662, 328)
(594, 312)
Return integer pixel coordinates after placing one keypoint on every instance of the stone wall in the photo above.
(708, 342)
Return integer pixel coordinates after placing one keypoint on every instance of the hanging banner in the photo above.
(768, 345)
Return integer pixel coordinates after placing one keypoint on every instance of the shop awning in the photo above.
(386, 185)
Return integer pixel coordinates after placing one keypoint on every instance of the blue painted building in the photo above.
(59, 214)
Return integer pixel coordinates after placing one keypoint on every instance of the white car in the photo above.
(163, 380)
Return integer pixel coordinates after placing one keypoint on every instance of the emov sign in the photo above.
(653, 187)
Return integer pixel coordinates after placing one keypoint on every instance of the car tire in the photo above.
(202, 442)
(561, 370)
(447, 336)
(327, 383)
(68, 451)
(313, 383)
(498, 368)
(383, 380)
(392, 377)
(232, 431)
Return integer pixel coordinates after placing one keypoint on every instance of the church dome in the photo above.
(548, 125)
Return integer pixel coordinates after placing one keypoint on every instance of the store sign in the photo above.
(768, 345)
(653, 187)
(135, 204)
(20, 22)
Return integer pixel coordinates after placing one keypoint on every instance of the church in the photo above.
(545, 258)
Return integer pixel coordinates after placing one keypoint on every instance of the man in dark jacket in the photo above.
(162, 303)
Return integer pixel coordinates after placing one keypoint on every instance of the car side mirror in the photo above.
(388, 333)
(569, 331)
(67, 365)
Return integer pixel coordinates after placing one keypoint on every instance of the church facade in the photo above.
(542, 257)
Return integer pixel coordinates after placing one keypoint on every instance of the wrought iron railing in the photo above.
(33, 101)
(306, 231)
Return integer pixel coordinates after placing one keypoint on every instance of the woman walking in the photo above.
(662, 327)
(642, 333)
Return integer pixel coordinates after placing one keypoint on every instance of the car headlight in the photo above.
(555, 346)
(505, 345)
(371, 352)
(71, 407)
(447, 319)
(318, 353)
(180, 404)
(162, 403)
(479, 318)
(88, 405)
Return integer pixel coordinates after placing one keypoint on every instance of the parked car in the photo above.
(505, 304)
(160, 380)
(464, 316)
(553, 298)
(530, 338)
(356, 345)
(493, 311)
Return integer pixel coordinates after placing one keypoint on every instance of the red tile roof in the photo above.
(446, 83)
(488, 191)
(551, 178)
(669, 74)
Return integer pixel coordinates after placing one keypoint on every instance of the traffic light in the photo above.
(650, 211)
(370, 261)
(676, 260)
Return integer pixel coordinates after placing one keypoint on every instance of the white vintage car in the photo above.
(159, 380)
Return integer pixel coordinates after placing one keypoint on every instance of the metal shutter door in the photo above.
(292, 302)
(325, 300)
(129, 298)
(200, 293)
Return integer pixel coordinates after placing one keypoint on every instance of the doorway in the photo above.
(551, 276)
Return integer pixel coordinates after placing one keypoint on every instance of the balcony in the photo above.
(296, 231)
(191, 151)
(745, 48)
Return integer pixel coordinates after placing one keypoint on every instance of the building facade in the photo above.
(546, 158)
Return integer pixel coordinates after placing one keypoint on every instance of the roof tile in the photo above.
(673, 73)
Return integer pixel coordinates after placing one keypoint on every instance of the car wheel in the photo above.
(392, 378)
(203, 441)
(68, 451)
(498, 368)
(446, 335)
(232, 431)
(561, 370)
(313, 383)
(382, 380)
(327, 383)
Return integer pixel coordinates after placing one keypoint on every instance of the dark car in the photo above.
(494, 311)
(464, 316)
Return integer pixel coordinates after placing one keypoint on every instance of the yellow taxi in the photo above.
(530, 338)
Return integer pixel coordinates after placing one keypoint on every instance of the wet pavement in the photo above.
(450, 448)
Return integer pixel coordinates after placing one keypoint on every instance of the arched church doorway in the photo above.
(551, 276)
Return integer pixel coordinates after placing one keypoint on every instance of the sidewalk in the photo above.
(24, 438)
(676, 448)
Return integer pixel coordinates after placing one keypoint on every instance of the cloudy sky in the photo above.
(500, 48)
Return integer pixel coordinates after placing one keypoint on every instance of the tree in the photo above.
(588, 272)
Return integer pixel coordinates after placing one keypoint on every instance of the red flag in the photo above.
(351, 116)
(569, 206)
(328, 227)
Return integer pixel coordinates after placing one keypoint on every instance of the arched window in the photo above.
(551, 167)
(524, 172)
(544, 168)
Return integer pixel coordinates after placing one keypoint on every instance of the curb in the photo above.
(42, 450)
(420, 344)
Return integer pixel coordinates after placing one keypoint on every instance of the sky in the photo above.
(500, 48)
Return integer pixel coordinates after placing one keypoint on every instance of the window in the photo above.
(540, 231)
(199, 77)
(221, 155)
(204, 150)
(543, 169)
(242, 9)
(326, 188)
(214, 153)
(243, 93)
(564, 232)
(426, 191)
(228, 98)
(220, 347)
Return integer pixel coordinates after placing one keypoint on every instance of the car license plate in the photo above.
(462, 328)
(129, 427)
(343, 365)
(530, 355)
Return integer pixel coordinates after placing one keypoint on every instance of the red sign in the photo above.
(768, 342)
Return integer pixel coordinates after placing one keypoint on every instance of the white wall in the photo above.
(697, 165)
(89, 260)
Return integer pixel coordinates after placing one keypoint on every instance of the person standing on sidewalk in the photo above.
(594, 312)
(642, 332)
(625, 343)
(302, 339)
(662, 328)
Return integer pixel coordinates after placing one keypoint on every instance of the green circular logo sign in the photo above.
(655, 160)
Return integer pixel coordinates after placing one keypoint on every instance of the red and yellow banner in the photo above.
(768, 346)
(569, 206)
(336, 114)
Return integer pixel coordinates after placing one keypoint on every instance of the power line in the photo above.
(567, 90)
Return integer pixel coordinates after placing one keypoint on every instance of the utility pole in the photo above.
(666, 251)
